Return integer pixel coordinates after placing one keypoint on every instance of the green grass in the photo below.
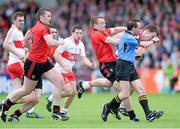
(85, 113)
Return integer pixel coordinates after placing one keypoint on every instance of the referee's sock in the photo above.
(144, 103)
(115, 102)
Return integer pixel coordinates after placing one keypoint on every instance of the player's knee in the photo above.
(35, 99)
(125, 95)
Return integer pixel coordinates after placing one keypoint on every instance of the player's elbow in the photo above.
(6, 46)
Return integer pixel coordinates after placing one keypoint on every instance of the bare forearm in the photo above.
(13, 50)
(118, 29)
(87, 62)
(146, 43)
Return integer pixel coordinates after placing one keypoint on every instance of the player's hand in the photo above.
(68, 69)
(93, 65)
(138, 57)
(156, 40)
(21, 56)
(61, 42)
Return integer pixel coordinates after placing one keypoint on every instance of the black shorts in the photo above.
(38, 85)
(126, 71)
(34, 71)
(108, 70)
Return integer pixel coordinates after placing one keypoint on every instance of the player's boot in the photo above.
(105, 112)
(123, 111)
(59, 115)
(13, 118)
(80, 89)
(48, 106)
(115, 113)
(159, 114)
(134, 120)
(33, 115)
(4, 112)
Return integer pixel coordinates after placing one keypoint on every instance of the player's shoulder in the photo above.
(13, 31)
(38, 27)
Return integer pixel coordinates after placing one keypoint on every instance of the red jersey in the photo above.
(51, 51)
(39, 47)
(103, 51)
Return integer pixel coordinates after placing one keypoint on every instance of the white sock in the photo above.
(31, 110)
(64, 110)
(50, 98)
(85, 85)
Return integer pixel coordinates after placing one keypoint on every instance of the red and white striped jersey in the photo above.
(15, 38)
(70, 52)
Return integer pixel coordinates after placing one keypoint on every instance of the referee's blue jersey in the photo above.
(126, 47)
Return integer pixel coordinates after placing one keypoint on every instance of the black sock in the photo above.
(56, 109)
(144, 103)
(115, 102)
(8, 104)
(132, 115)
(18, 113)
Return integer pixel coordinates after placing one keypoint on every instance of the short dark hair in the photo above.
(94, 20)
(132, 24)
(17, 14)
(41, 12)
(152, 28)
(76, 27)
(52, 25)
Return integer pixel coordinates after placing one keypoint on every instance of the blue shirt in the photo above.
(126, 47)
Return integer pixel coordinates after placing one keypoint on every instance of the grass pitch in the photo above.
(85, 113)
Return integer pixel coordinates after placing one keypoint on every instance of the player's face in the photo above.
(19, 22)
(138, 29)
(77, 34)
(53, 32)
(147, 35)
(46, 18)
(101, 24)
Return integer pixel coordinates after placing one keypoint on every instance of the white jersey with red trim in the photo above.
(70, 51)
(15, 38)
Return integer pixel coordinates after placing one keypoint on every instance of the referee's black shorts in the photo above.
(125, 71)
(34, 70)
(107, 69)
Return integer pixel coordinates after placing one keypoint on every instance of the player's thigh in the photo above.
(125, 87)
(29, 85)
(55, 77)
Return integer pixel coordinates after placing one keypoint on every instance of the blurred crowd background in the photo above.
(66, 13)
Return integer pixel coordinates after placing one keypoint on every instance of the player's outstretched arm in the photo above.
(52, 42)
